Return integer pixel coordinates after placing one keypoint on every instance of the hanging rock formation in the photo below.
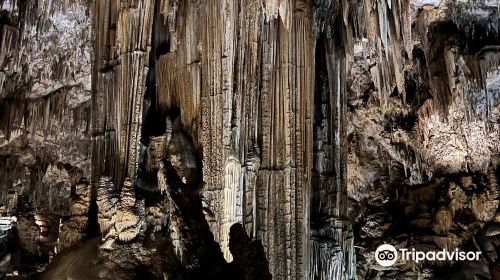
(231, 139)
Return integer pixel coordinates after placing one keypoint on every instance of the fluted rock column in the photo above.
(122, 46)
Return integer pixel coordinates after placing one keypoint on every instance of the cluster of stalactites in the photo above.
(36, 68)
(469, 78)
(47, 187)
(382, 29)
(462, 55)
(39, 11)
(473, 86)
(474, 16)
(48, 115)
(390, 36)
(331, 259)
(36, 28)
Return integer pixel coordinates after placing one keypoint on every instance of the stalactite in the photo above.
(459, 56)
(38, 115)
(231, 181)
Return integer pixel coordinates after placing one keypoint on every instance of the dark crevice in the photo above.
(155, 121)
(93, 225)
(322, 115)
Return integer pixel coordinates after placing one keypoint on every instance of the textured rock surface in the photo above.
(225, 139)
(423, 168)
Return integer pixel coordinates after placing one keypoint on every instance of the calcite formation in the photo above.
(266, 139)
(73, 230)
(120, 216)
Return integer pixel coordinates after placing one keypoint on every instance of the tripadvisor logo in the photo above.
(387, 255)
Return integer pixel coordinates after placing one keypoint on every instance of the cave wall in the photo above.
(237, 78)
(311, 123)
(45, 93)
(437, 139)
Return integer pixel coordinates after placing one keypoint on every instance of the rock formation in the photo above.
(231, 139)
(73, 230)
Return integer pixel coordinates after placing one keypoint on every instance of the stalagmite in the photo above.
(72, 231)
(106, 203)
(120, 216)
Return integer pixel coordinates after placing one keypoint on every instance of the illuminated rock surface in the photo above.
(229, 139)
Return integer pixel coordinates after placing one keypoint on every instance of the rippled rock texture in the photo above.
(231, 139)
